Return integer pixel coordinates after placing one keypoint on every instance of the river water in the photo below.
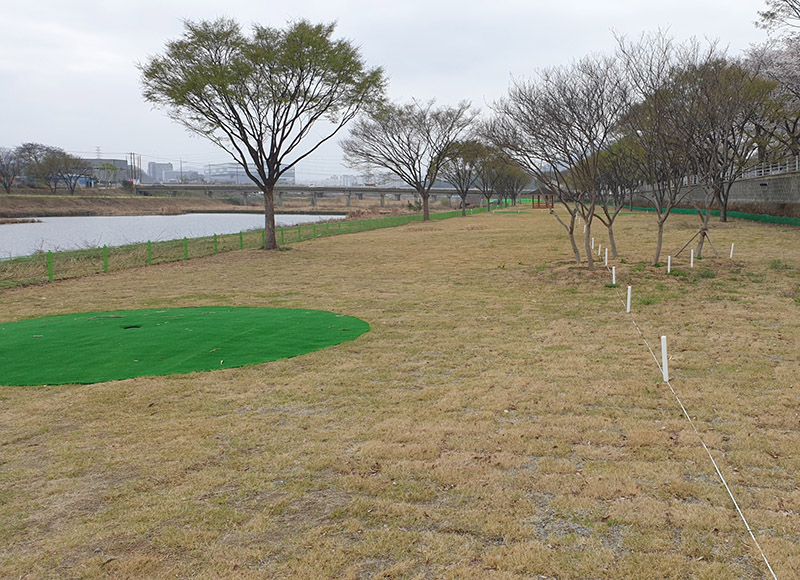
(73, 233)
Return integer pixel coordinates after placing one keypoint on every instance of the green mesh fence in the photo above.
(756, 217)
(49, 266)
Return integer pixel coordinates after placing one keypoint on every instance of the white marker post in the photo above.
(691, 259)
(606, 258)
(599, 249)
(664, 364)
(628, 305)
(614, 275)
(593, 243)
(669, 264)
(731, 250)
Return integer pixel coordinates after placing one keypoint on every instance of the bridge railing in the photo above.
(788, 165)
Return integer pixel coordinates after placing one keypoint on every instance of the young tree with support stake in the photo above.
(657, 120)
(413, 141)
(257, 97)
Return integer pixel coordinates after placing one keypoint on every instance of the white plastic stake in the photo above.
(691, 260)
(599, 249)
(614, 275)
(593, 243)
(664, 366)
(606, 259)
(731, 250)
(628, 305)
(584, 229)
(669, 264)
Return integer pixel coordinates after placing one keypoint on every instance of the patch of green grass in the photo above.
(706, 273)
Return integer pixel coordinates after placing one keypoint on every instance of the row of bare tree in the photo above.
(42, 165)
(657, 117)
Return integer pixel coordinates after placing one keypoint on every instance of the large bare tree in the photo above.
(660, 122)
(729, 102)
(258, 97)
(556, 125)
(461, 168)
(413, 141)
(780, 14)
(511, 180)
(40, 164)
(10, 167)
(70, 170)
(618, 179)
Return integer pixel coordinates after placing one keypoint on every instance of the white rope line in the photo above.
(700, 437)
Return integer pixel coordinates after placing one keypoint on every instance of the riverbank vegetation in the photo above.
(503, 417)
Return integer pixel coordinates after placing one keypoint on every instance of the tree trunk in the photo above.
(426, 212)
(587, 245)
(723, 202)
(611, 239)
(570, 232)
(703, 233)
(659, 242)
(464, 205)
(270, 243)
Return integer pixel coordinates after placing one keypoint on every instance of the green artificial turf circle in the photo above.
(92, 347)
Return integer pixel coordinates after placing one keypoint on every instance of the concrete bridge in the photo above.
(308, 194)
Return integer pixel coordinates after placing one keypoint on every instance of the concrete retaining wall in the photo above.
(774, 195)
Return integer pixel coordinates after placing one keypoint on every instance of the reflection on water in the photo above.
(73, 233)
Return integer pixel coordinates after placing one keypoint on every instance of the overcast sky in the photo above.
(68, 73)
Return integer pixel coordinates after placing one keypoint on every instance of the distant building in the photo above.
(156, 171)
(235, 174)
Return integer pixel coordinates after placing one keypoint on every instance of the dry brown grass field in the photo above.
(502, 419)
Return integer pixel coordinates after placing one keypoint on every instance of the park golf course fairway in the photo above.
(93, 347)
(503, 418)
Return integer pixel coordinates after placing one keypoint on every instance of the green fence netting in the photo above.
(49, 266)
